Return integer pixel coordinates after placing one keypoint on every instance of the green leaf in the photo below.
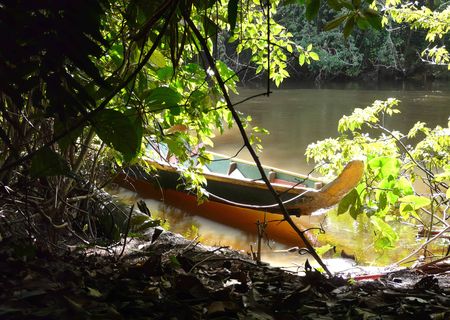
(312, 8)
(335, 4)
(119, 131)
(93, 292)
(387, 166)
(416, 201)
(162, 97)
(47, 163)
(349, 25)
(382, 201)
(362, 23)
(165, 74)
(348, 201)
(356, 3)
(374, 18)
(314, 56)
(335, 23)
(375, 21)
(211, 28)
(232, 13)
(301, 59)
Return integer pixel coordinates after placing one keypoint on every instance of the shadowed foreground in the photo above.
(168, 277)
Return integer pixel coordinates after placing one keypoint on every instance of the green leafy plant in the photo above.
(393, 162)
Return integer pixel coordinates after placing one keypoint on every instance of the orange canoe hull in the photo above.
(240, 218)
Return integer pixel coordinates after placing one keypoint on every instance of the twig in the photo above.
(221, 259)
(83, 197)
(432, 263)
(396, 264)
(252, 97)
(126, 233)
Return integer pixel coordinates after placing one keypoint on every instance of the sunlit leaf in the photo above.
(301, 59)
(387, 166)
(314, 56)
(417, 201)
(324, 249)
(388, 235)
(158, 59)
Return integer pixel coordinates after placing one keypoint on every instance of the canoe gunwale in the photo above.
(218, 177)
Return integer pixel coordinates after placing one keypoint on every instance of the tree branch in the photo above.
(246, 140)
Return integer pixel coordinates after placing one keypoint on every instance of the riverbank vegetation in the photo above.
(86, 85)
(398, 51)
(406, 178)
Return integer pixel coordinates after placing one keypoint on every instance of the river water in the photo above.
(296, 117)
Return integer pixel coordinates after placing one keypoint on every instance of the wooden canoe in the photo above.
(239, 198)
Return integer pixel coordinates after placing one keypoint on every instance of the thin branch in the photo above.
(252, 97)
(241, 128)
(421, 247)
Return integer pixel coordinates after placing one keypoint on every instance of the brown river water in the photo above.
(296, 117)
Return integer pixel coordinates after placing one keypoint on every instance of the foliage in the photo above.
(435, 22)
(337, 56)
(393, 161)
(263, 48)
(86, 85)
(355, 54)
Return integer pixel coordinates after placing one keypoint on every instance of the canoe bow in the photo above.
(330, 194)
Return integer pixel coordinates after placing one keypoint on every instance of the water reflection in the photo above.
(353, 238)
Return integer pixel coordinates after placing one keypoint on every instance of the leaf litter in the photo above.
(169, 277)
